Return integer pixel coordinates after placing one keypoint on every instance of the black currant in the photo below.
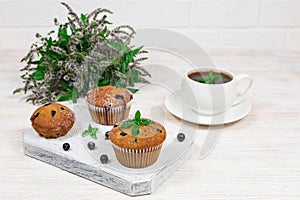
(123, 134)
(53, 113)
(119, 97)
(104, 159)
(66, 146)
(180, 137)
(91, 145)
(107, 135)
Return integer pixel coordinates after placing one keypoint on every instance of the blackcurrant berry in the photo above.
(107, 135)
(91, 145)
(66, 146)
(104, 159)
(180, 137)
(123, 134)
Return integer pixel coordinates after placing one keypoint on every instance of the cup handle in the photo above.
(243, 95)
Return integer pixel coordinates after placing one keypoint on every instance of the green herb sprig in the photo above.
(210, 79)
(136, 122)
(90, 131)
(82, 53)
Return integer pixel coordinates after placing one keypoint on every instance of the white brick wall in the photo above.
(281, 13)
(215, 24)
(218, 14)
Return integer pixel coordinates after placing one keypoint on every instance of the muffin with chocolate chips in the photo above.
(109, 105)
(52, 120)
(137, 142)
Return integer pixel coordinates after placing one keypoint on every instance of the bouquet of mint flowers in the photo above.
(83, 53)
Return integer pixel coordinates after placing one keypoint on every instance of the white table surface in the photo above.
(255, 158)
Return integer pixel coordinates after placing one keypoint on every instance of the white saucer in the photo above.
(233, 114)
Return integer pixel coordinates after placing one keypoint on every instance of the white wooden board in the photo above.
(86, 163)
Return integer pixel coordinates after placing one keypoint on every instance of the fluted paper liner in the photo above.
(137, 158)
(109, 115)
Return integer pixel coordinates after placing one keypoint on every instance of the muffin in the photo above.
(109, 105)
(137, 148)
(52, 120)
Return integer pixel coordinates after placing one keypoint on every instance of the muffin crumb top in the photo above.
(109, 96)
(150, 135)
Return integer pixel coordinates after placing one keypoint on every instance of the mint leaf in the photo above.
(94, 130)
(127, 124)
(64, 97)
(93, 136)
(103, 32)
(132, 90)
(104, 82)
(63, 34)
(216, 78)
(145, 121)
(137, 116)
(210, 79)
(201, 80)
(85, 133)
(90, 128)
(135, 130)
(17, 90)
(74, 96)
(38, 75)
(210, 74)
(83, 17)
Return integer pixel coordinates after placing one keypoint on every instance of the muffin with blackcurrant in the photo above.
(52, 120)
(109, 105)
(137, 142)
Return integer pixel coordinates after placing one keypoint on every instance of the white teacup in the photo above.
(211, 99)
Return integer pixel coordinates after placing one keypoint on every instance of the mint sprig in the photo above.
(136, 122)
(90, 131)
(210, 79)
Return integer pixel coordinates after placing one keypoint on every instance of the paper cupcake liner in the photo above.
(137, 158)
(109, 115)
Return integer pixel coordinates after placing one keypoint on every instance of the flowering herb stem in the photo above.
(84, 53)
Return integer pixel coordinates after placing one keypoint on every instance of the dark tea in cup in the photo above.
(210, 77)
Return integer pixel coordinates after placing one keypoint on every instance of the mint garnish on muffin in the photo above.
(136, 122)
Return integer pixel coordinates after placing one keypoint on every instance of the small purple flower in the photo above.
(73, 54)
(71, 67)
(48, 77)
(43, 89)
(79, 34)
(57, 50)
(66, 78)
(77, 72)
(91, 84)
(77, 84)
(76, 41)
(93, 38)
(52, 99)
(73, 48)
(60, 73)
